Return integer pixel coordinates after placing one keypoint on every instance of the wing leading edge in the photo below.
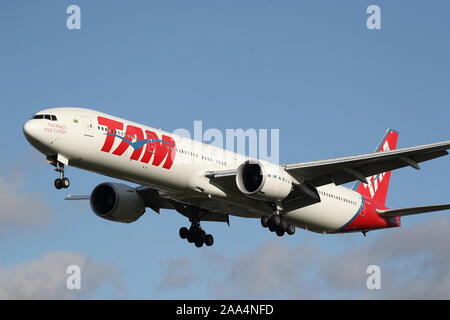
(347, 169)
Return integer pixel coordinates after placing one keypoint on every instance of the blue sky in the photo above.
(309, 68)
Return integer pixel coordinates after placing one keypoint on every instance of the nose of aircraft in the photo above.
(38, 136)
(30, 129)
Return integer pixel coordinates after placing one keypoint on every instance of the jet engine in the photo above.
(117, 202)
(263, 181)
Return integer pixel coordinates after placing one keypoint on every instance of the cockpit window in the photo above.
(50, 117)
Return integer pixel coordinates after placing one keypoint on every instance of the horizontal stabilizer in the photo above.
(412, 210)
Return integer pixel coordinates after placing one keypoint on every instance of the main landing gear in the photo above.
(195, 234)
(61, 182)
(277, 224)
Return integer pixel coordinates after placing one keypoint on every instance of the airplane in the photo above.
(206, 183)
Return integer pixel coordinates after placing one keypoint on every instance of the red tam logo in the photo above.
(146, 147)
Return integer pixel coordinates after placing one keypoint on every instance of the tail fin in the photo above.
(378, 185)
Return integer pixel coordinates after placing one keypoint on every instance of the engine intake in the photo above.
(117, 202)
(263, 181)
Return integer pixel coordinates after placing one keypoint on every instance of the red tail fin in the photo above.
(378, 185)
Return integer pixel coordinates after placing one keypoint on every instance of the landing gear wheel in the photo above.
(290, 229)
(284, 225)
(272, 227)
(184, 233)
(209, 240)
(65, 182)
(199, 243)
(58, 184)
(191, 235)
(265, 221)
(201, 235)
(280, 232)
(276, 220)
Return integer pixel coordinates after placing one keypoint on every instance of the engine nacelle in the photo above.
(263, 182)
(117, 202)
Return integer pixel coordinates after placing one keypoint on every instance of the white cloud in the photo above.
(414, 262)
(178, 274)
(45, 278)
(18, 208)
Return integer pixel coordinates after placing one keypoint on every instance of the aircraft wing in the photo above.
(347, 169)
(412, 210)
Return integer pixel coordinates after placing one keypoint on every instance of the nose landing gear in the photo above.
(61, 182)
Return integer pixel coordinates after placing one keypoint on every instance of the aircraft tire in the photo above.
(284, 225)
(58, 184)
(201, 235)
(199, 243)
(184, 233)
(65, 183)
(290, 229)
(265, 221)
(272, 227)
(191, 235)
(209, 240)
(276, 220)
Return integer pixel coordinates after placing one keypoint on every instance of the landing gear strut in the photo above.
(195, 234)
(277, 224)
(61, 182)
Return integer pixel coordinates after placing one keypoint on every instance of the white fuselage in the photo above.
(77, 139)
